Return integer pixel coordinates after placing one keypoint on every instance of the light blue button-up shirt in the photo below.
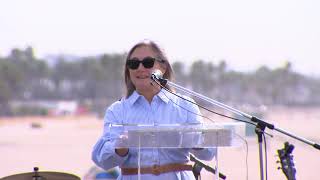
(164, 108)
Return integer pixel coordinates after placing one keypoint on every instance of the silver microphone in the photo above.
(156, 75)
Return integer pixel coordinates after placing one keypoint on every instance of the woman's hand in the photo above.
(121, 144)
(122, 151)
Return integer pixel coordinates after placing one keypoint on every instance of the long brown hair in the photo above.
(160, 54)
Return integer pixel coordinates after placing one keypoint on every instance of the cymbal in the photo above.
(42, 176)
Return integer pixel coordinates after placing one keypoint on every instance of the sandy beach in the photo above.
(64, 144)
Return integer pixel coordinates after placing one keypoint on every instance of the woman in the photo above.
(147, 103)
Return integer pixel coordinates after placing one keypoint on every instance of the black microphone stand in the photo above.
(198, 165)
(260, 124)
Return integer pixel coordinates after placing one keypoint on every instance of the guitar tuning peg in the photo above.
(277, 161)
(279, 168)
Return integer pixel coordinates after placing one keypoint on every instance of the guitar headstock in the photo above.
(286, 161)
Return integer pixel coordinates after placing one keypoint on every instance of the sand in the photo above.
(64, 144)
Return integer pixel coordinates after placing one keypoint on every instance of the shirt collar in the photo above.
(133, 97)
(163, 95)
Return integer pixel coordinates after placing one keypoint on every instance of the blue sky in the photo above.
(246, 33)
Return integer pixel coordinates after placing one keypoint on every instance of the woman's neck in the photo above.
(149, 93)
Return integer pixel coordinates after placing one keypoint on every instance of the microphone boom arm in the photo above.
(260, 124)
(235, 111)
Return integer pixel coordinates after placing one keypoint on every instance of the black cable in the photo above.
(188, 110)
(168, 90)
(247, 152)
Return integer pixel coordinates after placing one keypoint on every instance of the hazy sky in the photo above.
(246, 33)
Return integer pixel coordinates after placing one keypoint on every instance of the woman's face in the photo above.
(140, 77)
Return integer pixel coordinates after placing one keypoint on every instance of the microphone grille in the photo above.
(157, 73)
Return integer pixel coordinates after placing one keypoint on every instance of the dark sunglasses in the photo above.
(147, 62)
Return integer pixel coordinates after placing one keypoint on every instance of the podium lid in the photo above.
(178, 135)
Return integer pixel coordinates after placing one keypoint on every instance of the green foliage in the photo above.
(99, 80)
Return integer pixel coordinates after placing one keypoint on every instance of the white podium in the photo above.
(178, 136)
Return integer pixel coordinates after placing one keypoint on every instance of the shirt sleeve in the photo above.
(103, 153)
(194, 116)
(193, 113)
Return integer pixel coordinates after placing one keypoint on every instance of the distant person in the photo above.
(148, 103)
